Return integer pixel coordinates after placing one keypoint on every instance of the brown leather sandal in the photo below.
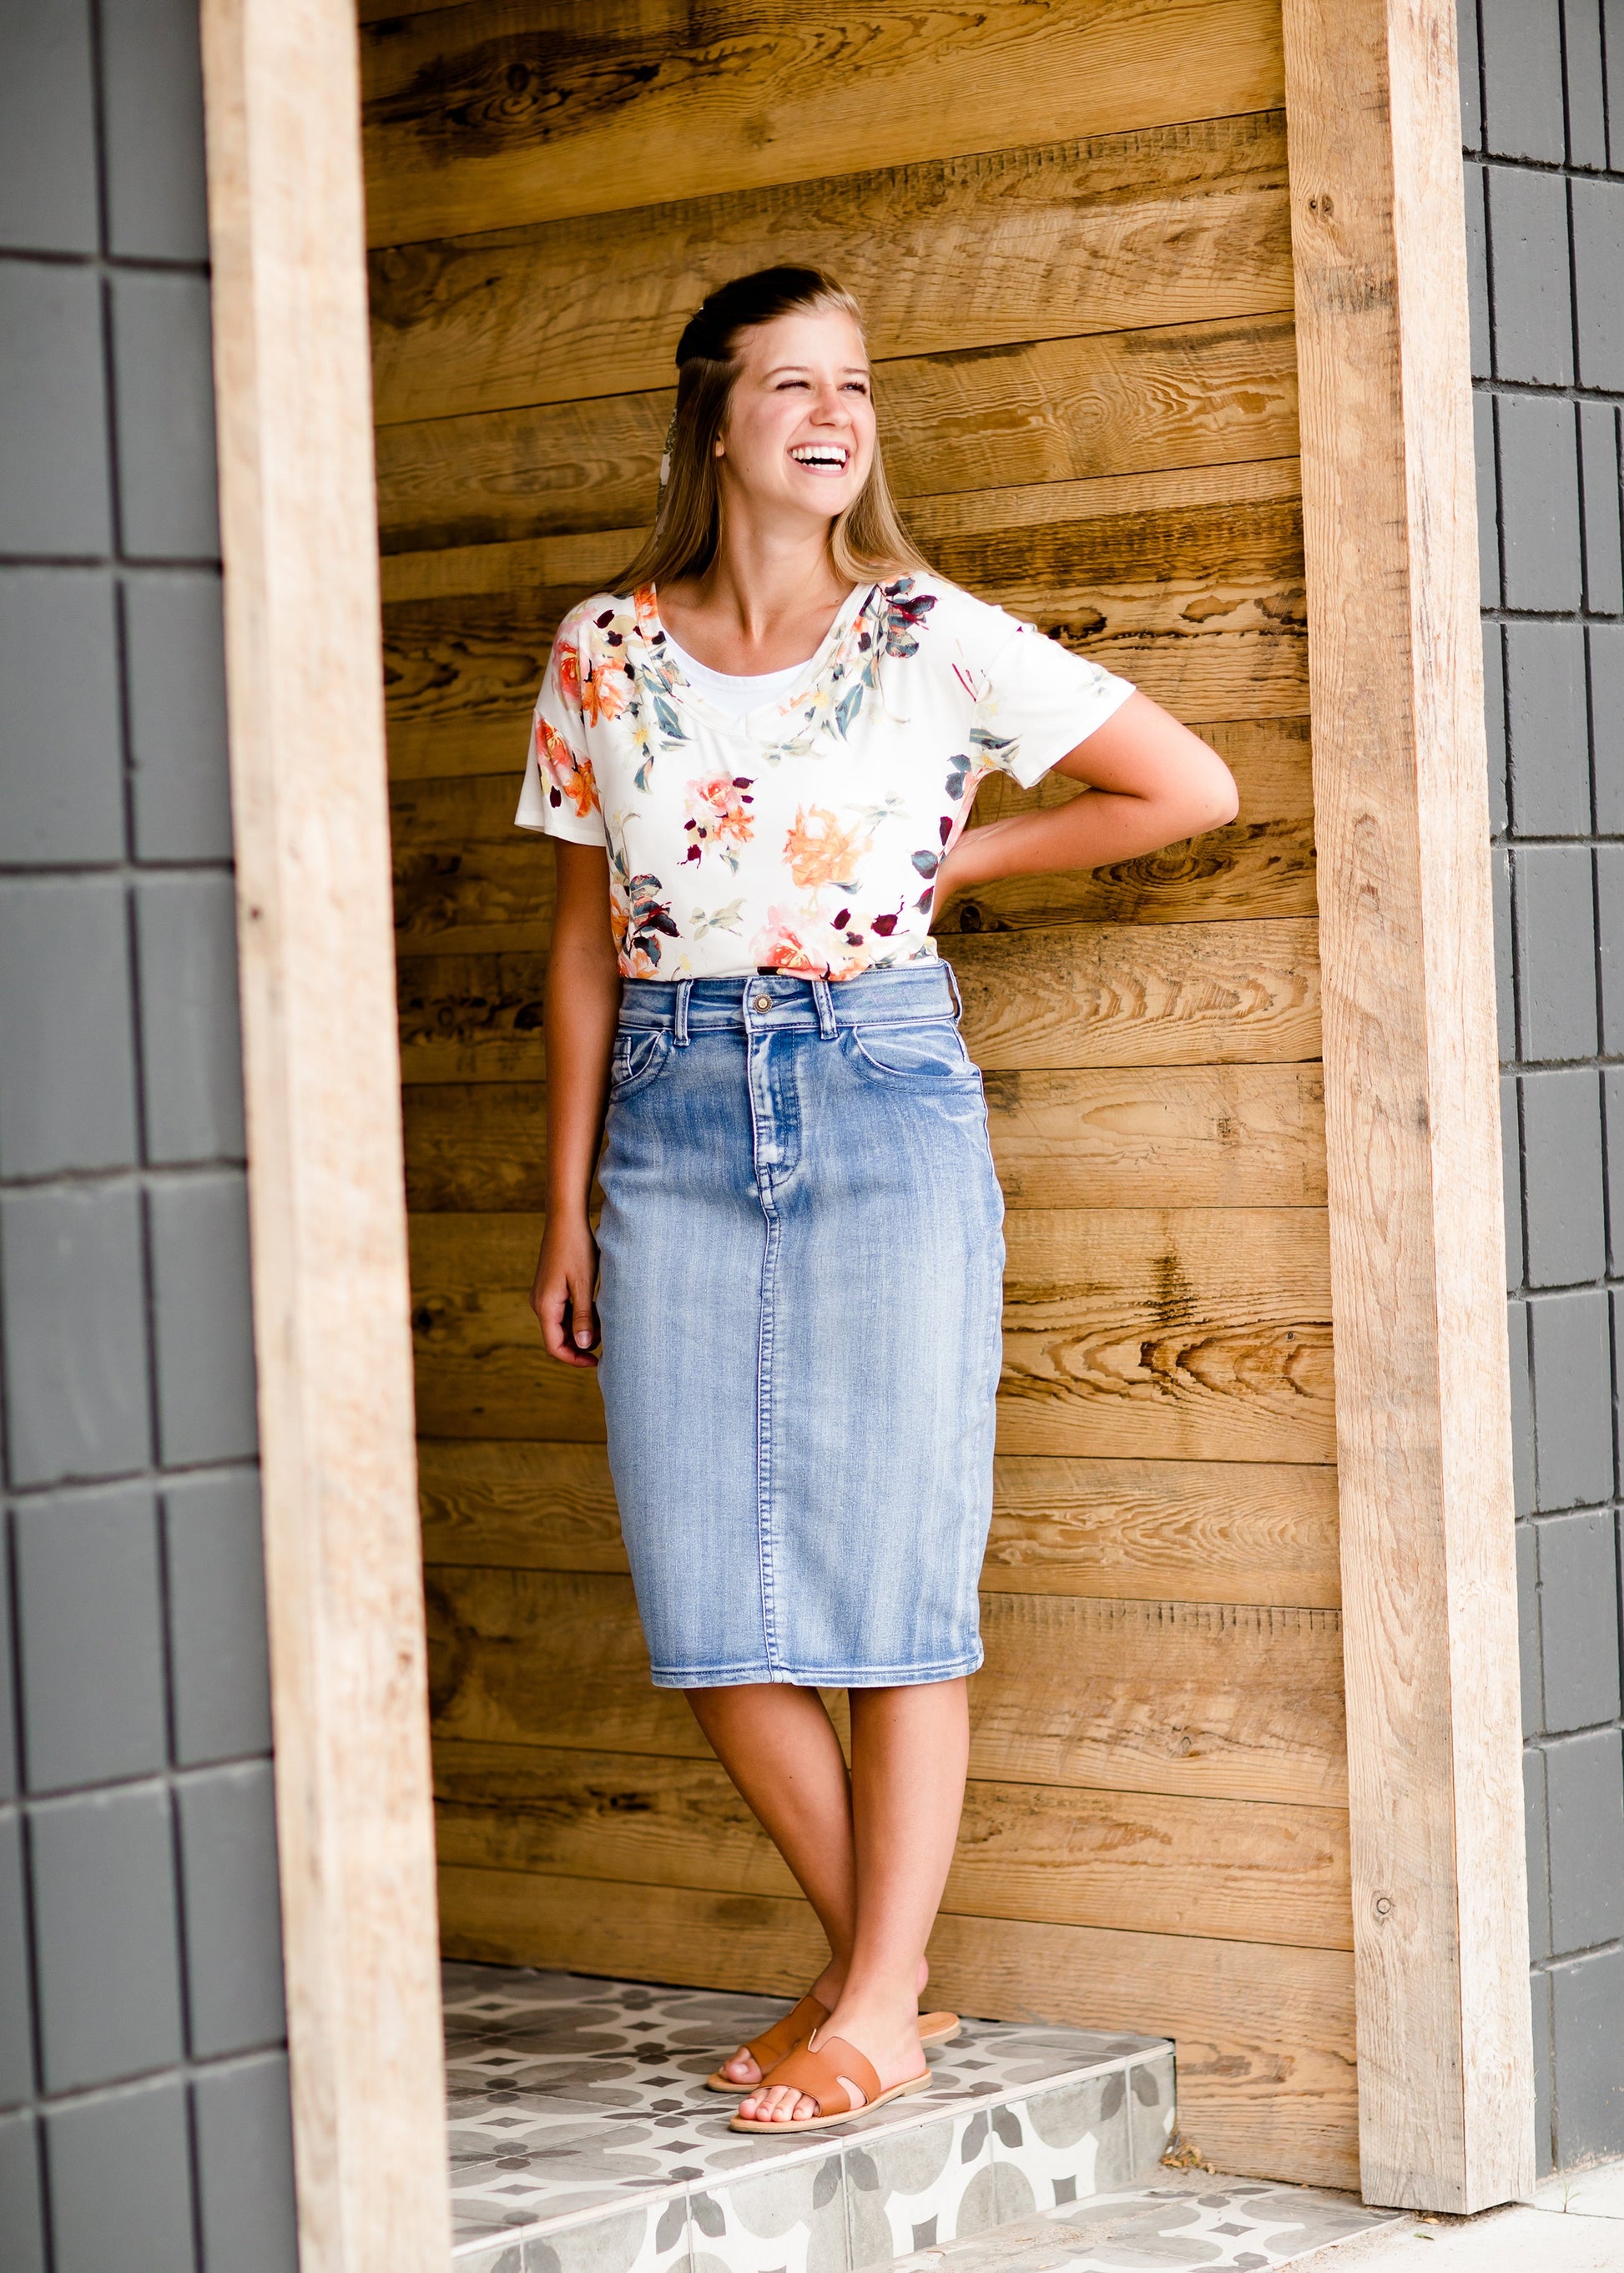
(775, 2043)
(818, 2076)
(778, 2044)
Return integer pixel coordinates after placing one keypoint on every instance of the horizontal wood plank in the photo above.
(1157, 1333)
(1173, 224)
(1212, 1136)
(514, 111)
(1044, 410)
(1243, 1869)
(1209, 1531)
(1218, 1701)
(1196, 1531)
(1167, 1333)
(1088, 994)
(1263, 2035)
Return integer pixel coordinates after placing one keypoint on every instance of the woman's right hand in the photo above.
(562, 1294)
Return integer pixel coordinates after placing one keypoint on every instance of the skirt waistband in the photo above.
(780, 999)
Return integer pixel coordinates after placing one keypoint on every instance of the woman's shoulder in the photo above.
(945, 610)
(605, 618)
(943, 619)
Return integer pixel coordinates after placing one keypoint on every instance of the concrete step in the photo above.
(1173, 2223)
(583, 2140)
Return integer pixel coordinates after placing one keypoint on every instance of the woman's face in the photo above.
(800, 427)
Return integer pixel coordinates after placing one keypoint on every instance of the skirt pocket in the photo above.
(639, 1055)
(933, 1050)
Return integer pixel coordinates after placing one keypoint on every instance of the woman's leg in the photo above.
(910, 1751)
(779, 1747)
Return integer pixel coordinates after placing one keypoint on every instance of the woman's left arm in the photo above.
(1152, 783)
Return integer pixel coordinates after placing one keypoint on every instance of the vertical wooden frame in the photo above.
(326, 1192)
(1446, 2094)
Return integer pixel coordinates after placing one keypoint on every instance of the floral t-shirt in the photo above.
(804, 836)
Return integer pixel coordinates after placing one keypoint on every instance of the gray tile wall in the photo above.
(1543, 89)
(144, 2118)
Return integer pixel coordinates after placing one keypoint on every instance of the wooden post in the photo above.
(327, 1201)
(1412, 1121)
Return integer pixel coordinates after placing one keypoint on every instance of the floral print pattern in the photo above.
(829, 813)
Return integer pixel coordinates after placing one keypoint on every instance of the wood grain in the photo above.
(1243, 1869)
(1411, 1104)
(1193, 1334)
(1194, 1531)
(1215, 1531)
(1217, 1136)
(516, 111)
(1229, 1701)
(1122, 994)
(357, 1946)
(1263, 2035)
(1044, 410)
(1173, 224)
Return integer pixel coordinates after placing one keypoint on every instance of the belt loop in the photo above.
(953, 981)
(684, 987)
(825, 1009)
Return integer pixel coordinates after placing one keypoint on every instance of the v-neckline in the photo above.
(751, 722)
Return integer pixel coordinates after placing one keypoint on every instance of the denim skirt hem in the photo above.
(861, 1676)
(800, 1291)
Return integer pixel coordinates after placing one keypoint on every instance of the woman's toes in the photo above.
(741, 2068)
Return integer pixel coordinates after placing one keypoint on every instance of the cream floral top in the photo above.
(804, 836)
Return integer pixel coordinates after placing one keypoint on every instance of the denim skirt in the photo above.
(802, 1259)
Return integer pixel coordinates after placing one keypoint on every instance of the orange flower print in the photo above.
(819, 851)
(569, 776)
(604, 695)
(646, 608)
(719, 814)
(799, 939)
(566, 664)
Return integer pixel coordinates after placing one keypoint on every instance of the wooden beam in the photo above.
(1423, 1438)
(320, 1067)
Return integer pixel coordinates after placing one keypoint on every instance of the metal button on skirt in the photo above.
(802, 1254)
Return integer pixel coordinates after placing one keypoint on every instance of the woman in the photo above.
(756, 757)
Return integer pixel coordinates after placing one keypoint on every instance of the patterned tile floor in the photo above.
(584, 2141)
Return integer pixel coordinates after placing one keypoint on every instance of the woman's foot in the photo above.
(887, 2038)
(828, 1988)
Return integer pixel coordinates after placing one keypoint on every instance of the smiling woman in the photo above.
(757, 755)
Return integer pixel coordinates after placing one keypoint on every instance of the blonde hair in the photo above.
(867, 540)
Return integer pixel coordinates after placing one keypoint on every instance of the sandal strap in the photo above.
(818, 2073)
(776, 2043)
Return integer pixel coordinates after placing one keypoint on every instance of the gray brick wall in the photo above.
(144, 2118)
(1543, 89)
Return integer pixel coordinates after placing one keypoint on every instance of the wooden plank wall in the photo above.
(1068, 222)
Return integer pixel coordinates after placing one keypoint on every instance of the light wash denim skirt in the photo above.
(803, 1255)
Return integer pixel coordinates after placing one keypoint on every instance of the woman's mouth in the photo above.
(822, 457)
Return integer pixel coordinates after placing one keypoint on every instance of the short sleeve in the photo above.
(559, 796)
(1037, 701)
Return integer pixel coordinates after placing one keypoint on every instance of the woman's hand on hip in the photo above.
(562, 1295)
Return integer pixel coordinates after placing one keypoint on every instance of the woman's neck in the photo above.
(766, 601)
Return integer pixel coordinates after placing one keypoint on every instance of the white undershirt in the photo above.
(730, 693)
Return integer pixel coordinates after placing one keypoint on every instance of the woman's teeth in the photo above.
(830, 457)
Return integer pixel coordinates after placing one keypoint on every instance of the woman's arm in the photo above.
(582, 1004)
(1153, 783)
